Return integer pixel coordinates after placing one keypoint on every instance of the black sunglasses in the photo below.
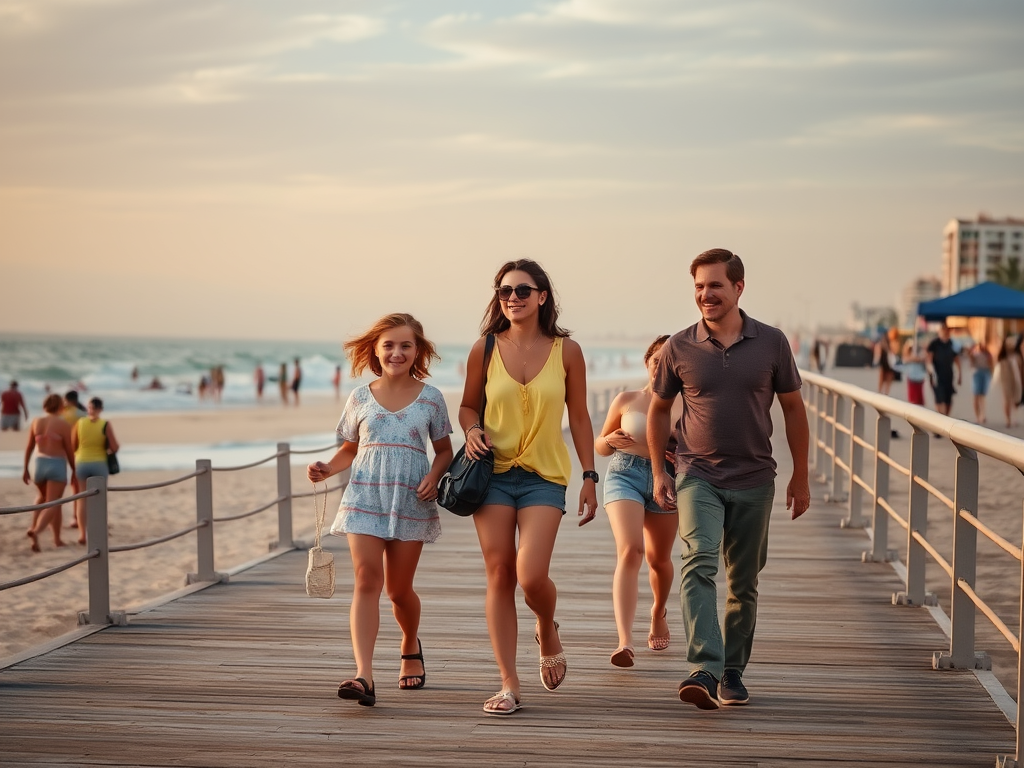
(521, 291)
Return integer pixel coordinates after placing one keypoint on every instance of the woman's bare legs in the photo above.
(496, 530)
(400, 561)
(51, 517)
(80, 518)
(627, 523)
(364, 616)
(660, 531)
(538, 527)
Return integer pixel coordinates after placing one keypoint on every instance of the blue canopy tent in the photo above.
(983, 300)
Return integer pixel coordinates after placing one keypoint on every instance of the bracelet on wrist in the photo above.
(472, 427)
(608, 443)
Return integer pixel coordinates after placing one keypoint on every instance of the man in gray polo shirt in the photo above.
(729, 369)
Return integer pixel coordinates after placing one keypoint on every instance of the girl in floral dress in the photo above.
(388, 509)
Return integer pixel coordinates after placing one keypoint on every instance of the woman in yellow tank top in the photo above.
(535, 372)
(91, 443)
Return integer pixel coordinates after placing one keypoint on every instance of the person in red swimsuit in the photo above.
(12, 405)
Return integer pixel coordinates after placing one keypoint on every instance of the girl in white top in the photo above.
(639, 525)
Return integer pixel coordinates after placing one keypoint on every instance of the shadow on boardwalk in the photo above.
(246, 673)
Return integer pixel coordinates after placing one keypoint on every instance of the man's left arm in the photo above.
(798, 492)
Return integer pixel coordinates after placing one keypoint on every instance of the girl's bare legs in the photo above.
(660, 531)
(538, 527)
(364, 616)
(627, 522)
(400, 561)
(496, 530)
(80, 517)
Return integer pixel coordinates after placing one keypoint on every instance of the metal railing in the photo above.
(98, 549)
(843, 443)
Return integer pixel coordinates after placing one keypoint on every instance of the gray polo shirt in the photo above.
(725, 437)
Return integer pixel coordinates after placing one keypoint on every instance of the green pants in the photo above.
(735, 523)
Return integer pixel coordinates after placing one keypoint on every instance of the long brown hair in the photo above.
(494, 319)
(655, 346)
(360, 349)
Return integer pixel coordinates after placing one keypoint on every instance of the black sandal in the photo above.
(348, 690)
(422, 677)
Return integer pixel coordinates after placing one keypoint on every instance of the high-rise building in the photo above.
(972, 248)
(921, 289)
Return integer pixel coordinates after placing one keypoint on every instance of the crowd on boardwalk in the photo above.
(691, 451)
(941, 363)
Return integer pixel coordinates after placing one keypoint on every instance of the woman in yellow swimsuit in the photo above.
(534, 373)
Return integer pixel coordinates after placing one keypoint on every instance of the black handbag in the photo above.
(113, 467)
(462, 489)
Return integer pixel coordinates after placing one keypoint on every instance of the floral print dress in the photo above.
(380, 499)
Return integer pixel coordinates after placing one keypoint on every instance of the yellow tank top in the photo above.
(525, 421)
(92, 443)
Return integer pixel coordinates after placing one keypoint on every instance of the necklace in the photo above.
(523, 356)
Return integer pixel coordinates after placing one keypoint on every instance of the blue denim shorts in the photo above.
(520, 488)
(630, 478)
(51, 469)
(981, 380)
(87, 469)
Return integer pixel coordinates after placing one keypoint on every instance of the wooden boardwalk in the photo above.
(245, 674)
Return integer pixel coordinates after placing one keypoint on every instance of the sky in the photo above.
(256, 169)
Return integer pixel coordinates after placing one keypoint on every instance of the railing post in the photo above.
(99, 567)
(1004, 761)
(204, 535)
(880, 551)
(964, 566)
(855, 493)
(819, 430)
(917, 520)
(838, 449)
(284, 494)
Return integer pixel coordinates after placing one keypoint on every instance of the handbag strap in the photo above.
(320, 514)
(488, 350)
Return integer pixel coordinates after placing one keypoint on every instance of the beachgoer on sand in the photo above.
(983, 366)
(282, 383)
(92, 438)
(729, 369)
(534, 373)
(260, 378)
(388, 509)
(640, 527)
(296, 381)
(49, 437)
(1007, 374)
(12, 404)
(73, 409)
(336, 382)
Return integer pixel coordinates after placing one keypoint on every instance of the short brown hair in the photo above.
(655, 346)
(360, 350)
(733, 265)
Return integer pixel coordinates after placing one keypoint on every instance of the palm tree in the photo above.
(1008, 273)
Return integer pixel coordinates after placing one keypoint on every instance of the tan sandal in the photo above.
(659, 642)
(502, 703)
(623, 657)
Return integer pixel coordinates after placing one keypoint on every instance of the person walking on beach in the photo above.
(886, 360)
(12, 405)
(729, 369)
(336, 381)
(942, 356)
(388, 509)
(534, 373)
(49, 436)
(915, 372)
(1007, 372)
(981, 377)
(260, 379)
(296, 381)
(639, 525)
(282, 383)
(92, 439)
(73, 409)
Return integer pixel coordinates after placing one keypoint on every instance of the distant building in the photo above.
(870, 320)
(921, 289)
(971, 248)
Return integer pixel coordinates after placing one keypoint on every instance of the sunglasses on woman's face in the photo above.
(522, 292)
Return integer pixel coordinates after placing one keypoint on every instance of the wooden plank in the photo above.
(245, 674)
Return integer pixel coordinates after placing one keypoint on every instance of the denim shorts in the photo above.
(87, 469)
(629, 478)
(982, 379)
(520, 488)
(51, 469)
